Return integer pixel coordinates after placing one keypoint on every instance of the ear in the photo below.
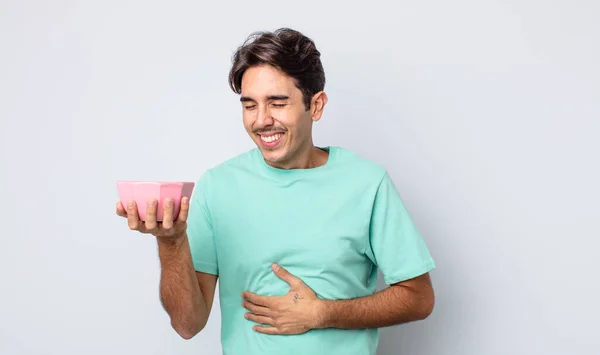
(318, 102)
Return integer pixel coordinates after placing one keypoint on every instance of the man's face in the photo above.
(274, 115)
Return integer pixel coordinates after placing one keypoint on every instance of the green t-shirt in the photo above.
(332, 226)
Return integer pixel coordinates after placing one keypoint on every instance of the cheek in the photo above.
(299, 123)
(292, 120)
(248, 121)
(286, 121)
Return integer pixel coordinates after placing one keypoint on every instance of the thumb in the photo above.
(285, 275)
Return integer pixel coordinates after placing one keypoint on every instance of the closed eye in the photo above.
(279, 105)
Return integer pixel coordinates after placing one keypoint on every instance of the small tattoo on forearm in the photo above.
(296, 298)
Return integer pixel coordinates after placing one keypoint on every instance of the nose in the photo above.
(264, 117)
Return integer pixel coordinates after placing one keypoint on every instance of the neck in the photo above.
(307, 158)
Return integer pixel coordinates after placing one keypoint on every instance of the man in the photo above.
(294, 232)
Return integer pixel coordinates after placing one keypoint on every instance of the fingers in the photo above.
(267, 329)
(151, 223)
(259, 319)
(258, 310)
(183, 211)
(133, 219)
(283, 274)
(121, 210)
(167, 222)
(256, 299)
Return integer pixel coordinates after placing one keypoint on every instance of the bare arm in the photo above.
(403, 302)
(186, 295)
(300, 310)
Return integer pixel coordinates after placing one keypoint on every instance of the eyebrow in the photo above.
(270, 98)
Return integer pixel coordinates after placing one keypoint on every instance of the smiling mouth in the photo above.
(271, 138)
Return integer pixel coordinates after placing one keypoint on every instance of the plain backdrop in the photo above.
(485, 113)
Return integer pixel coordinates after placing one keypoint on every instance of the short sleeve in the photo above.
(200, 231)
(395, 245)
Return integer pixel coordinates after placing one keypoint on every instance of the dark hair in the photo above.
(285, 49)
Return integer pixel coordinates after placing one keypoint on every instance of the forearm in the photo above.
(394, 305)
(180, 292)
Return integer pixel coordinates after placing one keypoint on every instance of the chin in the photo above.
(275, 152)
(274, 156)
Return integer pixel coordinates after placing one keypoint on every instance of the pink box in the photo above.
(143, 191)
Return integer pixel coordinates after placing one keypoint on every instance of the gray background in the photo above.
(486, 114)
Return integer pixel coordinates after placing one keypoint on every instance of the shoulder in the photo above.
(361, 167)
(228, 169)
(241, 161)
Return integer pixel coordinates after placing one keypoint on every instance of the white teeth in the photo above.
(272, 138)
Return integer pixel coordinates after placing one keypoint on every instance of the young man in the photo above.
(295, 233)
